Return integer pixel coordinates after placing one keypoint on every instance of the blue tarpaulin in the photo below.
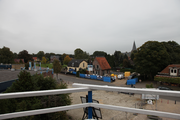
(74, 73)
(71, 70)
(107, 79)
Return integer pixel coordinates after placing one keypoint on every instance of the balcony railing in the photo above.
(89, 88)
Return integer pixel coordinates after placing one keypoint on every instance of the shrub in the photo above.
(167, 79)
(149, 86)
(27, 82)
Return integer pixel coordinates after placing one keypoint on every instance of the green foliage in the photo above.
(6, 56)
(67, 59)
(99, 53)
(24, 55)
(27, 82)
(80, 54)
(167, 79)
(151, 58)
(56, 66)
(126, 63)
(125, 70)
(132, 54)
(40, 54)
(43, 60)
(20, 61)
(149, 86)
(173, 50)
(110, 59)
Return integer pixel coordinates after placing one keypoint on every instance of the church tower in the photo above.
(134, 47)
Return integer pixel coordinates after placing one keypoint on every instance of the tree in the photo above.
(110, 59)
(173, 50)
(27, 82)
(132, 54)
(56, 67)
(24, 55)
(126, 63)
(40, 54)
(15, 55)
(6, 56)
(99, 53)
(117, 57)
(67, 59)
(62, 58)
(80, 54)
(43, 60)
(151, 58)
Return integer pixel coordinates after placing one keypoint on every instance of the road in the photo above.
(72, 78)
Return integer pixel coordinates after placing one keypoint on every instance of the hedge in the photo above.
(167, 79)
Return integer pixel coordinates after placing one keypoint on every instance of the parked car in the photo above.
(131, 76)
(164, 88)
(120, 76)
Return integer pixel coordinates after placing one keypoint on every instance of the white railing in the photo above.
(87, 87)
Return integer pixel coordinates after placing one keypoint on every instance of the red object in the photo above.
(103, 63)
(168, 102)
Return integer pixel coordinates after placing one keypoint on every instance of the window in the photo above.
(97, 66)
(72, 64)
(174, 71)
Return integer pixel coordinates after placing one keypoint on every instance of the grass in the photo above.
(45, 65)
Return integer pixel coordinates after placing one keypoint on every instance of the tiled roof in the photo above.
(166, 70)
(103, 63)
(18, 60)
(75, 62)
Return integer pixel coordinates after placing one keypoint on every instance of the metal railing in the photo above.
(89, 88)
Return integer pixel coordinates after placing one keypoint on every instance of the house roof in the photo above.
(103, 63)
(166, 70)
(18, 60)
(34, 58)
(75, 62)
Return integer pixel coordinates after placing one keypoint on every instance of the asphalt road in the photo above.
(72, 78)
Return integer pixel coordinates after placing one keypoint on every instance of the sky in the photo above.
(61, 26)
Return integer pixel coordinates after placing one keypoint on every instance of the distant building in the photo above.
(76, 64)
(101, 66)
(53, 57)
(36, 59)
(133, 49)
(18, 60)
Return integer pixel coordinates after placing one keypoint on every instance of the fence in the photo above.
(89, 88)
(95, 77)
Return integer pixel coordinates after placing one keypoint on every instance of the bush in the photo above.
(167, 79)
(27, 82)
(149, 86)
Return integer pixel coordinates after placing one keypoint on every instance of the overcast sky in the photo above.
(61, 26)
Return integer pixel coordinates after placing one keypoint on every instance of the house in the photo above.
(171, 70)
(36, 59)
(18, 60)
(53, 57)
(169, 76)
(76, 64)
(101, 66)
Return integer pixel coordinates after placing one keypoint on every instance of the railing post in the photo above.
(89, 101)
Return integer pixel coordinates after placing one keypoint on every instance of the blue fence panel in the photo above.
(99, 78)
(107, 79)
(82, 75)
(74, 73)
(87, 76)
(131, 82)
(136, 79)
(93, 77)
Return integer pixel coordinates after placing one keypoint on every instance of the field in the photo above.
(45, 65)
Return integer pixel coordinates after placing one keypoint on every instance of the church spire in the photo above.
(134, 47)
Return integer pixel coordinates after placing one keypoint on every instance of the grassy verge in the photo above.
(45, 65)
